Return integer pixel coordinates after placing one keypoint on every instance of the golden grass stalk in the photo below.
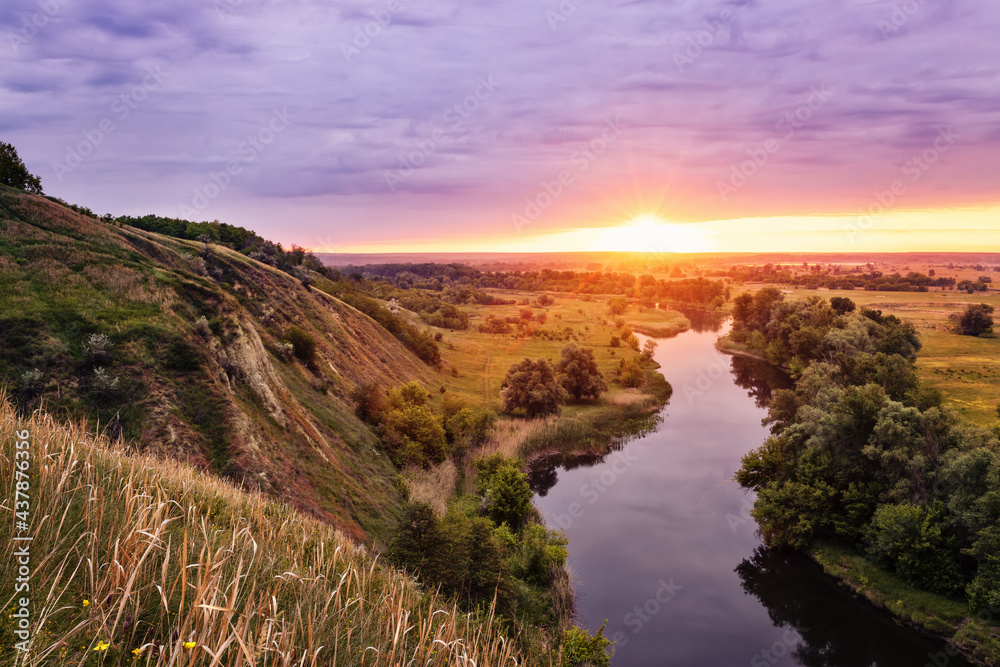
(154, 564)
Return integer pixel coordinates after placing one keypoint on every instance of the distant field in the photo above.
(482, 359)
(965, 368)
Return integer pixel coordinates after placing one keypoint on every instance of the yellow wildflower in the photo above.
(190, 644)
(102, 646)
(137, 651)
(86, 603)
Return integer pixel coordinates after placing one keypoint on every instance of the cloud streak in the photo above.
(896, 66)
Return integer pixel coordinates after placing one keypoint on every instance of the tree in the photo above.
(14, 173)
(304, 344)
(649, 348)
(580, 375)
(507, 489)
(532, 385)
(631, 374)
(617, 305)
(842, 305)
(976, 320)
(413, 434)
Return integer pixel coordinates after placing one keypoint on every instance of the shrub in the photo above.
(542, 553)
(617, 305)
(470, 427)
(494, 325)
(842, 305)
(615, 341)
(303, 343)
(507, 494)
(202, 329)
(531, 385)
(31, 382)
(631, 374)
(580, 374)
(103, 385)
(97, 348)
(284, 350)
(911, 540)
(14, 173)
(977, 320)
(581, 649)
(181, 356)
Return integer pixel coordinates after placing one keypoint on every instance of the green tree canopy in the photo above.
(579, 373)
(14, 173)
(532, 385)
(976, 320)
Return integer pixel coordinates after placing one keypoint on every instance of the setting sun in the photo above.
(651, 233)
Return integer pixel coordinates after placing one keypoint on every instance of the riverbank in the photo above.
(727, 345)
(977, 638)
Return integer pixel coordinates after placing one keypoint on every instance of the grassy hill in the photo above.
(141, 561)
(177, 346)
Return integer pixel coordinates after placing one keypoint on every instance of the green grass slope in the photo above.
(134, 560)
(194, 368)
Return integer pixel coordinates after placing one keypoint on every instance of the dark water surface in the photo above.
(662, 545)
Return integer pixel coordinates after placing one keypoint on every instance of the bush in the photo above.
(97, 348)
(617, 305)
(460, 554)
(14, 173)
(581, 649)
(470, 427)
(977, 320)
(412, 433)
(507, 494)
(911, 540)
(103, 385)
(31, 382)
(542, 553)
(304, 344)
(284, 350)
(631, 374)
(580, 374)
(181, 356)
(494, 325)
(369, 401)
(842, 305)
(531, 385)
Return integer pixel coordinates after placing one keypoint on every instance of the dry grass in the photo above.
(434, 486)
(164, 556)
(628, 397)
(509, 436)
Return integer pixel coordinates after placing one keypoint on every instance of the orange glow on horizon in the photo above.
(953, 230)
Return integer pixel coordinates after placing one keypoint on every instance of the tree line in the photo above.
(862, 452)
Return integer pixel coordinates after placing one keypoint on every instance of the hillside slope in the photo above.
(133, 560)
(174, 345)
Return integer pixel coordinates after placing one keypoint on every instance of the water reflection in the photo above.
(759, 378)
(543, 471)
(832, 628)
(702, 320)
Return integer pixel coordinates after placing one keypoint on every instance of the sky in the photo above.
(467, 125)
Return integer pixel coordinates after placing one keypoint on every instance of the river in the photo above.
(662, 545)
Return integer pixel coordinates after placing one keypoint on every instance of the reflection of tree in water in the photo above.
(838, 630)
(701, 320)
(543, 470)
(759, 378)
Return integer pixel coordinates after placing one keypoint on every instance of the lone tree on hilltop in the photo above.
(579, 373)
(976, 320)
(14, 173)
(532, 385)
